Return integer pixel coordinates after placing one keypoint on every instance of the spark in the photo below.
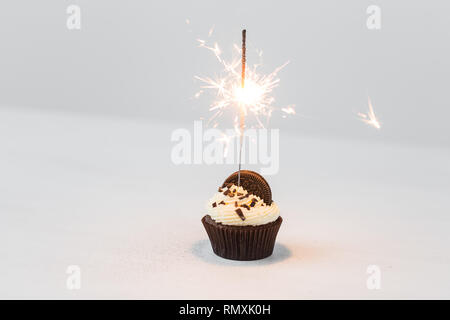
(254, 99)
(216, 50)
(198, 94)
(211, 31)
(370, 117)
(289, 109)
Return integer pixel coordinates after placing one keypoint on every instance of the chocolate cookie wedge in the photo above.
(253, 182)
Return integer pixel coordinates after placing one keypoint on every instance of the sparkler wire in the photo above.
(242, 113)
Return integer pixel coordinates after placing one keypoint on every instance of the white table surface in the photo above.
(102, 193)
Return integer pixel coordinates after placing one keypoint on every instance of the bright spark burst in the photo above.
(370, 117)
(254, 99)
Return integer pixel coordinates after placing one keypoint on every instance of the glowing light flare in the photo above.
(370, 117)
(251, 94)
(288, 110)
(211, 30)
(255, 98)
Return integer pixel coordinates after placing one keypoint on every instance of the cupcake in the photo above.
(242, 221)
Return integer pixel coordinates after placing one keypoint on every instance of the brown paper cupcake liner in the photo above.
(242, 242)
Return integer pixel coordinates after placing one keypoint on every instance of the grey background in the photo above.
(138, 59)
(86, 177)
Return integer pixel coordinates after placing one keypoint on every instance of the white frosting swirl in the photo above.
(222, 208)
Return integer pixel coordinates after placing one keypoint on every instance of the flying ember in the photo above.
(370, 117)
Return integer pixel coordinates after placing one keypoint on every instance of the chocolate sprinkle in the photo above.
(220, 189)
(226, 192)
(245, 206)
(221, 202)
(240, 214)
(243, 197)
(235, 204)
(214, 205)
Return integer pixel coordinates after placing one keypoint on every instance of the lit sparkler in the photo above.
(254, 98)
(244, 90)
